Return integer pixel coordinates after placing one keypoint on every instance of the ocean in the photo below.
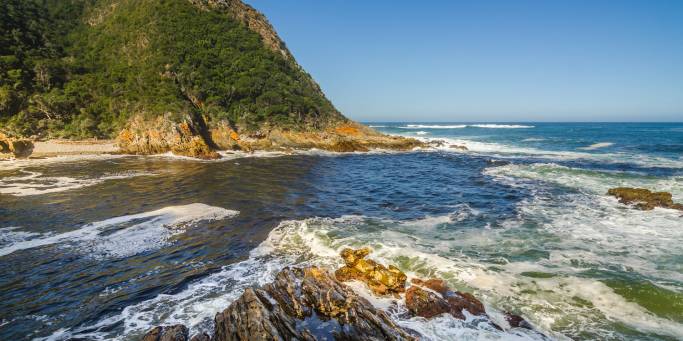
(105, 247)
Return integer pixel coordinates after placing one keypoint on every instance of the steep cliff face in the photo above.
(115, 68)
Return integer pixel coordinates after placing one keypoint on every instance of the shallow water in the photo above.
(107, 247)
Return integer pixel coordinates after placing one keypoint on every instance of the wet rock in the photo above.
(304, 304)
(437, 143)
(517, 321)
(380, 279)
(425, 303)
(644, 199)
(440, 300)
(167, 333)
(458, 147)
(435, 284)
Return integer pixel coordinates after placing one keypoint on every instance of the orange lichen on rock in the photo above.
(380, 279)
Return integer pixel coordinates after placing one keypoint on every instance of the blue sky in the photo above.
(490, 60)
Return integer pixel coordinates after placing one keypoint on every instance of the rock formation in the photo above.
(161, 135)
(380, 279)
(11, 147)
(644, 199)
(300, 304)
(440, 300)
(167, 333)
(311, 304)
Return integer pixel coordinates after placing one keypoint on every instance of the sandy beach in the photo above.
(66, 147)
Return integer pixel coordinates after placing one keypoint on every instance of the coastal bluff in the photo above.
(190, 77)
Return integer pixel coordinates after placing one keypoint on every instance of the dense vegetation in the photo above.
(81, 68)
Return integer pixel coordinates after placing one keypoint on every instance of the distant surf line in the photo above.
(460, 126)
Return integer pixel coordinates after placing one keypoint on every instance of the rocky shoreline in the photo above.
(313, 304)
(192, 138)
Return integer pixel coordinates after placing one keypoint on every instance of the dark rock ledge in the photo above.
(312, 304)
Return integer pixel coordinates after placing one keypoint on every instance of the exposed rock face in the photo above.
(161, 135)
(343, 137)
(304, 304)
(167, 333)
(428, 304)
(380, 279)
(644, 199)
(18, 148)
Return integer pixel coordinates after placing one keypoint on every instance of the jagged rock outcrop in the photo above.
(300, 304)
(311, 304)
(167, 333)
(380, 279)
(440, 300)
(161, 135)
(644, 199)
(18, 148)
(306, 304)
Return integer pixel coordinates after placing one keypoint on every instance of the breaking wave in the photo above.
(460, 126)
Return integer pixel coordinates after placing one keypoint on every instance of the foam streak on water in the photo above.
(129, 234)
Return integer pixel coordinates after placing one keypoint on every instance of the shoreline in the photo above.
(51, 148)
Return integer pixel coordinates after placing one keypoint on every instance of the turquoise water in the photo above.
(105, 247)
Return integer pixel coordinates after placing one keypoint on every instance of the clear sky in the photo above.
(490, 60)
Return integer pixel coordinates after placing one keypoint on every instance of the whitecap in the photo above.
(510, 151)
(129, 234)
(421, 132)
(597, 146)
(501, 126)
(433, 126)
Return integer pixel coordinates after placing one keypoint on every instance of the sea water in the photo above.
(106, 247)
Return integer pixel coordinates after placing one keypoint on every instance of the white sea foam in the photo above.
(501, 126)
(590, 181)
(533, 139)
(597, 146)
(34, 183)
(460, 126)
(23, 163)
(129, 234)
(421, 132)
(548, 303)
(434, 126)
(10, 235)
(509, 151)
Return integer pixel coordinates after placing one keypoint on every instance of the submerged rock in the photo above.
(516, 321)
(644, 199)
(380, 279)
(458, 147)
(440, 300)
(304, 304)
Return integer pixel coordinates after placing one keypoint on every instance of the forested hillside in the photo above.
(83, 68)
